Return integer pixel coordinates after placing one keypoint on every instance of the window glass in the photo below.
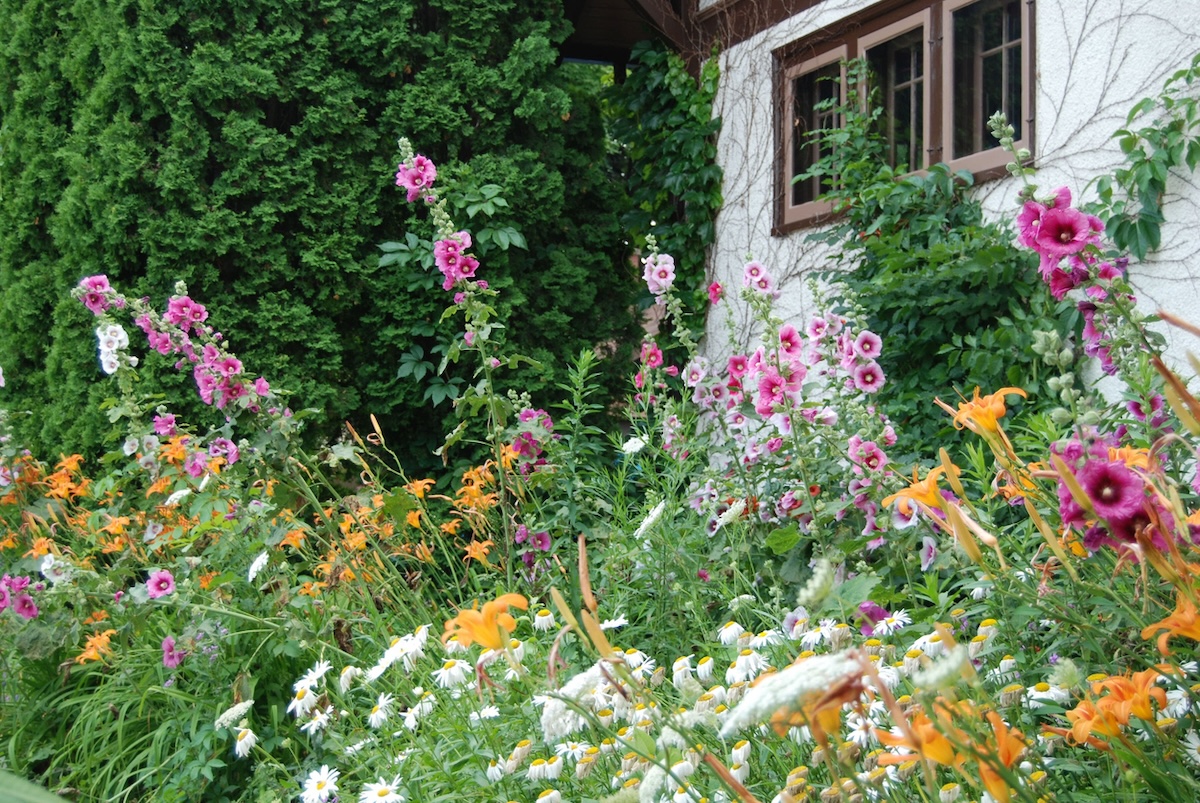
(987, 72)
(815, 94)
(898, 67)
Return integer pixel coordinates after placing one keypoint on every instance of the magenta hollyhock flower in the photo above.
(652, 356)
(738, 366)
(172, 657)
(868, 377)
(789, 340)
(1063, 232)
(416, 177)
(164, 425)
(771, 391)
(1117, 493)
(25, 607)
(540, 541)
(261, 386)
(868, 345)
(224, 447)
(5, 597)
(160, 584)
(96, 291)
(869, 456)
(521, 535)
(715, 293)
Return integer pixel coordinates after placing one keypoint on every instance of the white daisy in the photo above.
(543, 620)
(1191, 747)
(453, 673)
(317, 721)
(347, 676)
(320, 785)
(379, 714)
(382, 792)
(487, 712)
(609, 624)
(302, 703)
(730, 632)
(313, 676)
(246, 739)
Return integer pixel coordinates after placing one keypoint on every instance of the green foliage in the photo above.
(662, 119)
(956, 302)
(1130, 201)
(248, 149)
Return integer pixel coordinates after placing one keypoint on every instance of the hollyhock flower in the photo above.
(659, 273)
(225, 447)
(160, 584)
(1117, 494)
(164, 425)
(172, 657)
(540, 541)
(765, 286)
(868, 377)
(715, 293)
(196, 464)
(789, 340)
(416, 177)
(869, 456)
(25, 607)
(771, 391)
(1062, 232)
(652, 356)
(868, 345)
(738, 366)
(816, 328)
(753, 271)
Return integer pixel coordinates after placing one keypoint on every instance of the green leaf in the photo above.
(784, 539)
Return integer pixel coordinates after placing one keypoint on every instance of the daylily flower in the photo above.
(924, 492)
(491, 626)
(981, 414)
(1183, 622)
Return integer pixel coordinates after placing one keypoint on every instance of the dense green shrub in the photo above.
(956, 301)
(247, 149)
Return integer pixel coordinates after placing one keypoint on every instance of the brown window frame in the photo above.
(851, 38)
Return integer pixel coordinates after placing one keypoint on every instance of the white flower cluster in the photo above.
(112, 339)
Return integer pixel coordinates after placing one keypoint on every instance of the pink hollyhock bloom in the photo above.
(261, 386)
(715, 293)
(1117, 494)
(889, 436)
(816, 328)
(540, 541)
(416, 177)
(652, 356)
(789, 340)
(196, 464)
(868, 345)
(659, 273)
(695, 373)
(225, 447)
(96, 292)
(870, 456)
(172, 657)
(738, 366)
(25, 607)
(1063, 232)
(1108, 271)
(771, 391)
(774, 445)
(5, 597)
(868, 377)
(160, 584)
(765, 286)
(872, 613)
(671, 370)
(753, 271)
(164, 425)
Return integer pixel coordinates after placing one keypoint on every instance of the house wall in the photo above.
(1095, 59)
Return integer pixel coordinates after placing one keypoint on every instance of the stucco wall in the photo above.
(1095, 60)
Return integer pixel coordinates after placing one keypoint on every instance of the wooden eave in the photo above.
(607, 30)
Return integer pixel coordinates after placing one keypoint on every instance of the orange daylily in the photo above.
(927, 741)
(70, 464)
(923, 492)
(293, 539)
(419, 488)
(1183, 622)
(478, 550)
(450, 527)
(96, 647)
(1131, 696)
(1009, 745)
(981, 415)
(491, 626)
(41, 546)
(96, 617)
(820, 711)
(413, 517)
(1087, 719)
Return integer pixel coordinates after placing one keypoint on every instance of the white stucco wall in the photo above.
(1095, 60)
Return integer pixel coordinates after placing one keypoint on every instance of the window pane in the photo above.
(986, 72)
(897, 71)
(822, 88)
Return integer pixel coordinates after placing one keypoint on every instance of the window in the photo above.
(941, 69)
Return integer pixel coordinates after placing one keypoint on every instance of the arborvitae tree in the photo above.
(248, 148)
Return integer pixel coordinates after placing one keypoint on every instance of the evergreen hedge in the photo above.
(248, 148)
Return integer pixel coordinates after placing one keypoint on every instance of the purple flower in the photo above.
(872, 613)
(172, 657)
(540, 540)
(25, 607)
(160, 584)
(164, 425)
(1117, 494)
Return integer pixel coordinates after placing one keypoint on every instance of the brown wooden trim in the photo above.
(667, 22)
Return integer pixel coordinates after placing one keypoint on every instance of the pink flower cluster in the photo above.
(1057, 231)
(537, 542)
(758, 278)
(14, 593)
(1117, 493)
(535, 428)
(453, 260)
(658, 271)
(98, 296)
(416, 176)
(172, 657)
